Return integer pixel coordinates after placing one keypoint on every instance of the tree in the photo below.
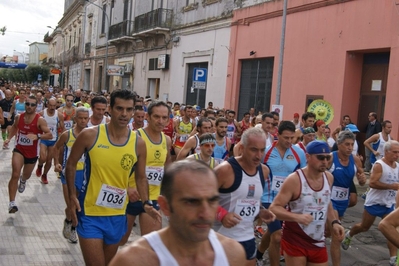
(32, 72)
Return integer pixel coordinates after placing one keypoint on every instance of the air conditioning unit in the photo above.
(128, 68)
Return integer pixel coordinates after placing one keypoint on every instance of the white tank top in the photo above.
(52, 123)
(198, 147)
(315, 203)
(167, 259)
(384, 196)
(243, 198)
(89, 124)
(380, 148)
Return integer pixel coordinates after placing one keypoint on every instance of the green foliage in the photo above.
(28, 74)
(32, 71)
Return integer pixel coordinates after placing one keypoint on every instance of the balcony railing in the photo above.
(124, 28)
(87, 48)
(159, 18)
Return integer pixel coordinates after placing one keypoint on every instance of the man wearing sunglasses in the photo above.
(68, 112)
(307, 194)
(207, 145)
(344, 166)
(29, 128)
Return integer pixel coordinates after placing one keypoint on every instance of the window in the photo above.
(104, 18)
(153, 64)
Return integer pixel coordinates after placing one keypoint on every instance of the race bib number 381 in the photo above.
(111, 197)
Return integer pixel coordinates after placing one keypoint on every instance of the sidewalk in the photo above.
(33, 235)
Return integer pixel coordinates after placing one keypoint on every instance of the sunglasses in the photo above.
(323, 157)
(59, 102)
(30, 104)
(209, 145)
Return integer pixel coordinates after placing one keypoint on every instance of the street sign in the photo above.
(199, 78)
(13, 65)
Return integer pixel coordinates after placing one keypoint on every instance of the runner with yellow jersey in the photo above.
(158, 156)
(113, 154)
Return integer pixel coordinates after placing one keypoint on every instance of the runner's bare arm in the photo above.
(83, 142)
(188, 146)
(42, 125)
(141, 178)
(235, 252)
(224, 174)
(289, 190)
(375, 179)
(168, 147)
(59, 151)
(367, 143)
(61, 121)
(1, 117)
(138, 253)
(361, 177)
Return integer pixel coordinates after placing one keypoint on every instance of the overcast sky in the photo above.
(27, 20)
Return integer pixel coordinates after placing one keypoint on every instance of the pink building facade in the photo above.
(343, 51)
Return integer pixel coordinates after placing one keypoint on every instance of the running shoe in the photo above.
(44, 179)
(392, 261)
(364, 195)
(12, 207)
(347, 241)
(39, 171)
(22, 185)
(259, 231)
(66, 231)
(260, 262)
(73, 237)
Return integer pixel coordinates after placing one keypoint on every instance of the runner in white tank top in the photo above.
(189, 198)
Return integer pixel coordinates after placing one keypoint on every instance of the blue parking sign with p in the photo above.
(200, 74)
(199, 78)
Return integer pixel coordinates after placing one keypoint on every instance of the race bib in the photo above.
(316, 228)
(230, 135)
(277, 183)
(23, 140)
(18, 112)
(6, 114)
(391, 194)
(154, 174)
(183, 138)
(339, 193)
(111, 197)
(68, 124)
(247, 208)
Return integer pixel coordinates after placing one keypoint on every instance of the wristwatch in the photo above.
(148, 202)
(336, 222)
(38, 136)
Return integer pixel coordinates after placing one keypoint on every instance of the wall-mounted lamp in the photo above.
(252, 53)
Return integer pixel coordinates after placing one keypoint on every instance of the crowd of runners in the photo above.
(220, 180)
